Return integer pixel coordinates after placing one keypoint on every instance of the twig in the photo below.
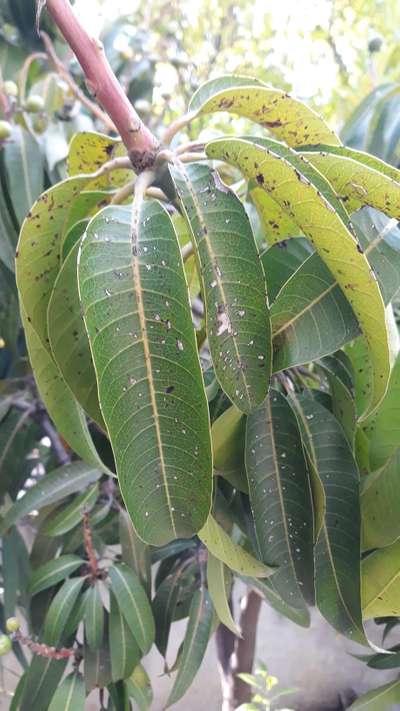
(177, 126)
(123, 193)
(141, 144)
(77, 92)
(44, 650)
(88, 541)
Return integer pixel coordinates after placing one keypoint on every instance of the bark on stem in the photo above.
(141, 144)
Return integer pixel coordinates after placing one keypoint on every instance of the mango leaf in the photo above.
(88, 151)
(68, 339)
(53, 572)
(60, 610)
(380, 494)
(24, 162)
(277, 225)
(300, 616)
(220, 545)
(219, 580)
(38, 251)
(73, 236)
(281, 499)
(41, 682)
(148, 372)
(53, 487)
(139, 688)
(63, 408)
(384, 697)
(70, 695)
(339, 372)
(194, 645)
(135, 553)
(381, 583)
(359, 179)
(98, 672)
(384, 428)
(94, 618)
(233, 284)
(8, 235)
(134, 604)
(294, 192)
(227, 435)
(287, 118)
(124, 651)
(337, 548)
(71, 515)
(281, 260)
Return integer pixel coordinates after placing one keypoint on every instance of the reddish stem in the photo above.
(141, 144)
(44, 650)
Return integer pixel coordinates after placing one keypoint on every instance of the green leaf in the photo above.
(8, 235)
(53, 487)
(134, 604)
(219, 580)
(68, 339)
(233, 284)
(220, 545)
(280, 497)
(384, 429)
(227, 434)
(10, 572)
(135, 553)
(124, 651)
(287, 118)
(98, 664)
(139, 688)
(281, 261)
(339, 372)
(381, 583)
(24, 163)
(359, 179)
(337, 549)
(64, 410)
(59, 611)
(317, 216)
(53, 572)
(165, 602)
(195, 644)
(42, 680)
(94, 618)
(70, 695)
(383, 698)
(380, 494)
(148, 373)
(71, 515)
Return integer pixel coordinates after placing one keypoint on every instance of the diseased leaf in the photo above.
(381, 583)
(53, 572)
(148, 374)
(88, 151)
(70, 695)
(24, 162)
(287, 118)
(384, 697)
(195, 644)
(337, 548)
(281, 499)
(68, 339)
(139, 688)
(219, 580)
(134, 604)
(236, 558)
(51, 488)
(380, 495)
(233, 284)
(124, 651)
(318, 217)
(94, 618)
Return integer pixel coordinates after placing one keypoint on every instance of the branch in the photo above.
(243, 658)
(77, 92)
(141, 144)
